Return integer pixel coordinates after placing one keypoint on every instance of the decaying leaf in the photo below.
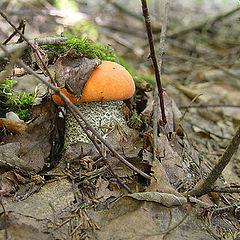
(8, 183)
(73, 71)
(102, 190)
(9, 157)
(160, 182)
(166, 199)
(87, 163)
(16, 126)
(130, 218)
(29, 151)
(170, 159)
(13, 123)
(147, 114)
(78, 150)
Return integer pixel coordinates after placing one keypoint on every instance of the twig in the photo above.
(20, 26)
(208, 106)
(74, 108)
(155, 123)
(163, 36)
(225, 189)
(177, 225)
(154, 60)
(231, 209)
(11, 48)
(32, 46)
(218, 168)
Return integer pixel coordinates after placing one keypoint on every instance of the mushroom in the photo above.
(100, 103)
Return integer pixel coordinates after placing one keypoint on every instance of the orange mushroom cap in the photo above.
(109, 81)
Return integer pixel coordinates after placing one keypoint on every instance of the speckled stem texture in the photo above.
(100, 115)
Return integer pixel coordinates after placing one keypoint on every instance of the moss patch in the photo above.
(10, 101)
(83, 47)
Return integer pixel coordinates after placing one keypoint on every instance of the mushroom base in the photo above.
(102, 118)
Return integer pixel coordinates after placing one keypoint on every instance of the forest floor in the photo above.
(200, 77)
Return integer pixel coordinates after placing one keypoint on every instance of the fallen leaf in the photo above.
(31, 149)
(72, 72)
(166, 199)
(16, 126)
(103, 192)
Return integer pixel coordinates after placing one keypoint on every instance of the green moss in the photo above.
(149, 78)
(83, 47)
(11, 101)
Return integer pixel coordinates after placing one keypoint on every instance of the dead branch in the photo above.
(225, 189)
(21, 26)
(33, 46)
(231, 209)
(154, 60)
(11, 48)
(206, 186)
(156, 107)
(208, 106)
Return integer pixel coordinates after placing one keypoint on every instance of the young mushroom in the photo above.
(101, 101)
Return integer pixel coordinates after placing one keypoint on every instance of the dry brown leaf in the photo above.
(166, 199)
(7, 184)
(103, 192)
(129, 218)
(9, 157)
(73, 71)
(32, 148)
(170, 159)
(159, 181)
(147, 114)
(12, 125)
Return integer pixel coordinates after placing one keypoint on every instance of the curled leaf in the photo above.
(12, 125)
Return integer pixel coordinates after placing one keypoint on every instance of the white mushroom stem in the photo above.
(100, 115)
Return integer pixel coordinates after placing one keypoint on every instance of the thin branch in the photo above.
(11, 48)
(154, 60)
(155, 123)
(20, 27)
(208, 106)
(207, 185)
(231, 209)
(32, 46)
(74, 108)
(225, 189)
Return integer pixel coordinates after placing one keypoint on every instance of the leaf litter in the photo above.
(91, 204)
